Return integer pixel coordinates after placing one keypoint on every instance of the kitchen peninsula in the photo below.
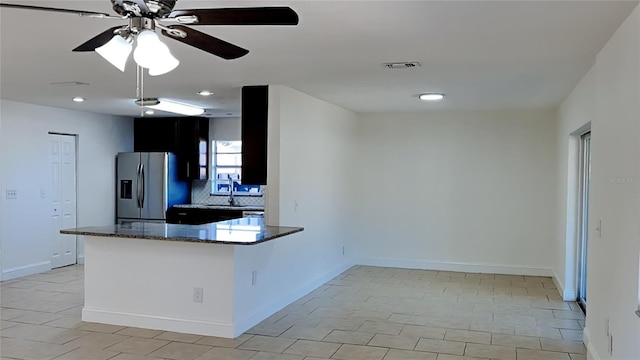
(198, 279)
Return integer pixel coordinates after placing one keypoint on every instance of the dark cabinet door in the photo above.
(154, 134)
(255, 106)
(187, 137)
(193, 156)
(197, 216)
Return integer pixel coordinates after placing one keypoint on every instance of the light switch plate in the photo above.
(12, 194)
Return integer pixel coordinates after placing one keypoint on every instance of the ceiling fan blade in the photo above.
(98, 40)
(207, 43)
(277, 15)
(41, 8)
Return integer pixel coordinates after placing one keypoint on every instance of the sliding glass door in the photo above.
(585, 174)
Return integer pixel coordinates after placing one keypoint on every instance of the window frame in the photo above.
(215, 182)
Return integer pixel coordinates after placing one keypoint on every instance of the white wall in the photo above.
(612, 282)
(309, 147)
(24, 165)
(153, 283)
(2, 188)
(225, 128)
(456, 191)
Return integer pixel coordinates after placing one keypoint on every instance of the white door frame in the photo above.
(75, 196)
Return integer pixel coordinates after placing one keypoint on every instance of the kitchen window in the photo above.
(226, 168)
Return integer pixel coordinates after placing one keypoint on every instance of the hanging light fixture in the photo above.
(150, 52)
(147, 105)
(116, 51)
(153, 54)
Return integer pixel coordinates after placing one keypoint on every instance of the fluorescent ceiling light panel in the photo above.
(178, 108)
(431, 97)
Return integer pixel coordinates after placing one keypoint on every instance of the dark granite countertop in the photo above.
(244, 231)
(220, 207)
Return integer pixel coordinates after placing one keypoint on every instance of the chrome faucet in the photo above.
(232, 200)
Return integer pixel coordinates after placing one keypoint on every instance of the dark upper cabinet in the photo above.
(255, 106)
(155, 134)
(187, 137)
(193, 153)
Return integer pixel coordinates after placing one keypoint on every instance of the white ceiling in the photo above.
(485, 55)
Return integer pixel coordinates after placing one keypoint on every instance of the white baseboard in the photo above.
(80, 259)
(191, 326)
(567, 294)
(30, 269)
(592, 353)
(257, 316)
(453, 266)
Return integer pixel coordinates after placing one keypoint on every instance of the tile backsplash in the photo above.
(201, 194)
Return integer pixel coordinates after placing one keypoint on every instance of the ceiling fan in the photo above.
(144, 16)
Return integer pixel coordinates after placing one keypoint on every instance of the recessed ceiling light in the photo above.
(205, 93)
(431, 97)
(78, 99)
(149, 112)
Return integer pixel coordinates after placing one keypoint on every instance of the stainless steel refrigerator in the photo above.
(148, 186)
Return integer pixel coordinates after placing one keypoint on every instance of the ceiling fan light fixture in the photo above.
(116, 51)
(153, 54)
(166, 63)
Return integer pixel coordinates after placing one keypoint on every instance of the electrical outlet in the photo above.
(12, 194)
(198, 295)
(254, 277)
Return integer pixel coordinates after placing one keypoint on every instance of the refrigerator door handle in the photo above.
(143, 185)
(138, 186)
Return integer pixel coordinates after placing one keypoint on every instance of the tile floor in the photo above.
(368, 313)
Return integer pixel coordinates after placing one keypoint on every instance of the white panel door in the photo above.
(63, 198)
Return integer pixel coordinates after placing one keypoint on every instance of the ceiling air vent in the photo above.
(69, 83)
(401, 65)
